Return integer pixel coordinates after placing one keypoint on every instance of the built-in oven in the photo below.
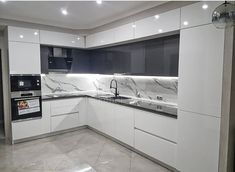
(25, 97)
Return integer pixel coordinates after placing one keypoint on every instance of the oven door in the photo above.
(26, 108)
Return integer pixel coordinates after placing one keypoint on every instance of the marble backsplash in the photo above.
(135, 86)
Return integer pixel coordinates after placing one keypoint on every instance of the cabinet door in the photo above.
(124, 124)
(61, 39)
(198, 14)
(24, 58)
(198, 142)
(165, 22)
(124, 33)
(100, 38)
(200, 70)
(23, 35)
(46, 117)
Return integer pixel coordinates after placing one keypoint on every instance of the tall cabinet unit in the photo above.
(24, 49)
(199, 96)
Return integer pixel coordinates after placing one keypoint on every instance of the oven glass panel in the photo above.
(28, 106)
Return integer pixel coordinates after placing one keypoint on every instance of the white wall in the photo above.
(1, 48)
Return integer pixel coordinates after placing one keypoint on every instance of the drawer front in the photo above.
(67, 106)
(155, 124)
(64, 122)
(155, 147)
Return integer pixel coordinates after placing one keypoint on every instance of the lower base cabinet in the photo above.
(156, 147)
(114, 120)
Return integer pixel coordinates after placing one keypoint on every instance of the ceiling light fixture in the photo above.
(160, 30)
(134, 26)
(205, 6)
(64, 12)
(99, 1)
(35, 33)
(21, 36)
(3, 1)
(78, 38)
(73, 42)
(224, 15)
(156, 16)
(185, 23)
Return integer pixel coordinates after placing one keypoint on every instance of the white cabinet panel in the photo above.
(64, 122)
(166, 22)
(65, 106)
(200, 70)
(155, 124)
(100, 38)
(61, 39)
(195, 14)
(158, 148)
(23, 34)
(124, 124)
(198, 142)
(46, 117)
(24, 58)
(124, 33)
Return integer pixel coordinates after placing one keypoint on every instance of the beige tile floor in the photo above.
(79, 151)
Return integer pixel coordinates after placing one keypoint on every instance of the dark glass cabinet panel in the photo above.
(156, 57)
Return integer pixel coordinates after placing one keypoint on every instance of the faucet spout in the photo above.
(114, 87)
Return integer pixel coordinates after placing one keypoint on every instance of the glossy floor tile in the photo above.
(79, 151)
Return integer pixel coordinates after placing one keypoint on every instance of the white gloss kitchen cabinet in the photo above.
(114, 120)
(160, 23)
(199, 98)
(198, 13)
(61, 39)
(24, 49)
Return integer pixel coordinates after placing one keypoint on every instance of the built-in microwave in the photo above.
(25, 97)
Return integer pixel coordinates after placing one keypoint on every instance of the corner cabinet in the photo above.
(61, 39)
(24, 51)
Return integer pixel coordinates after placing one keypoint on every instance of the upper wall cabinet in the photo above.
(61, 39)
(124, 33)
(100, 38)
(160, 23)
(24, 58)
(23, 34)
(198, 14)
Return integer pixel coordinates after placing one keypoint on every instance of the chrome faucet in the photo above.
(111, 86)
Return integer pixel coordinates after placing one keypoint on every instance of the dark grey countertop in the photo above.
(160, 108)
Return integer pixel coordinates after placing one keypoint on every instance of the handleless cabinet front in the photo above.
(24, 58)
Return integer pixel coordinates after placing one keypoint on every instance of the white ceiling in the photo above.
(81, 14)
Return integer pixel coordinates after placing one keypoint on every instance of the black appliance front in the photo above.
(25, 107)
(25, 82)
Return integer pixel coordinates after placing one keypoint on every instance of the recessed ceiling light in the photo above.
(73, 42)
(64, 11)
(99, 1)
(35, 33)
(205, 6)
(156, 16)
(78, 38)
(134, 26)
(185, 23)
(160, 30)
(3, 0)
(21, 36)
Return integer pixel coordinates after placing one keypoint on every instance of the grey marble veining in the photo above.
(148, 88)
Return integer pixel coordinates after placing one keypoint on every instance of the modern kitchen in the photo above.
(121, 86)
